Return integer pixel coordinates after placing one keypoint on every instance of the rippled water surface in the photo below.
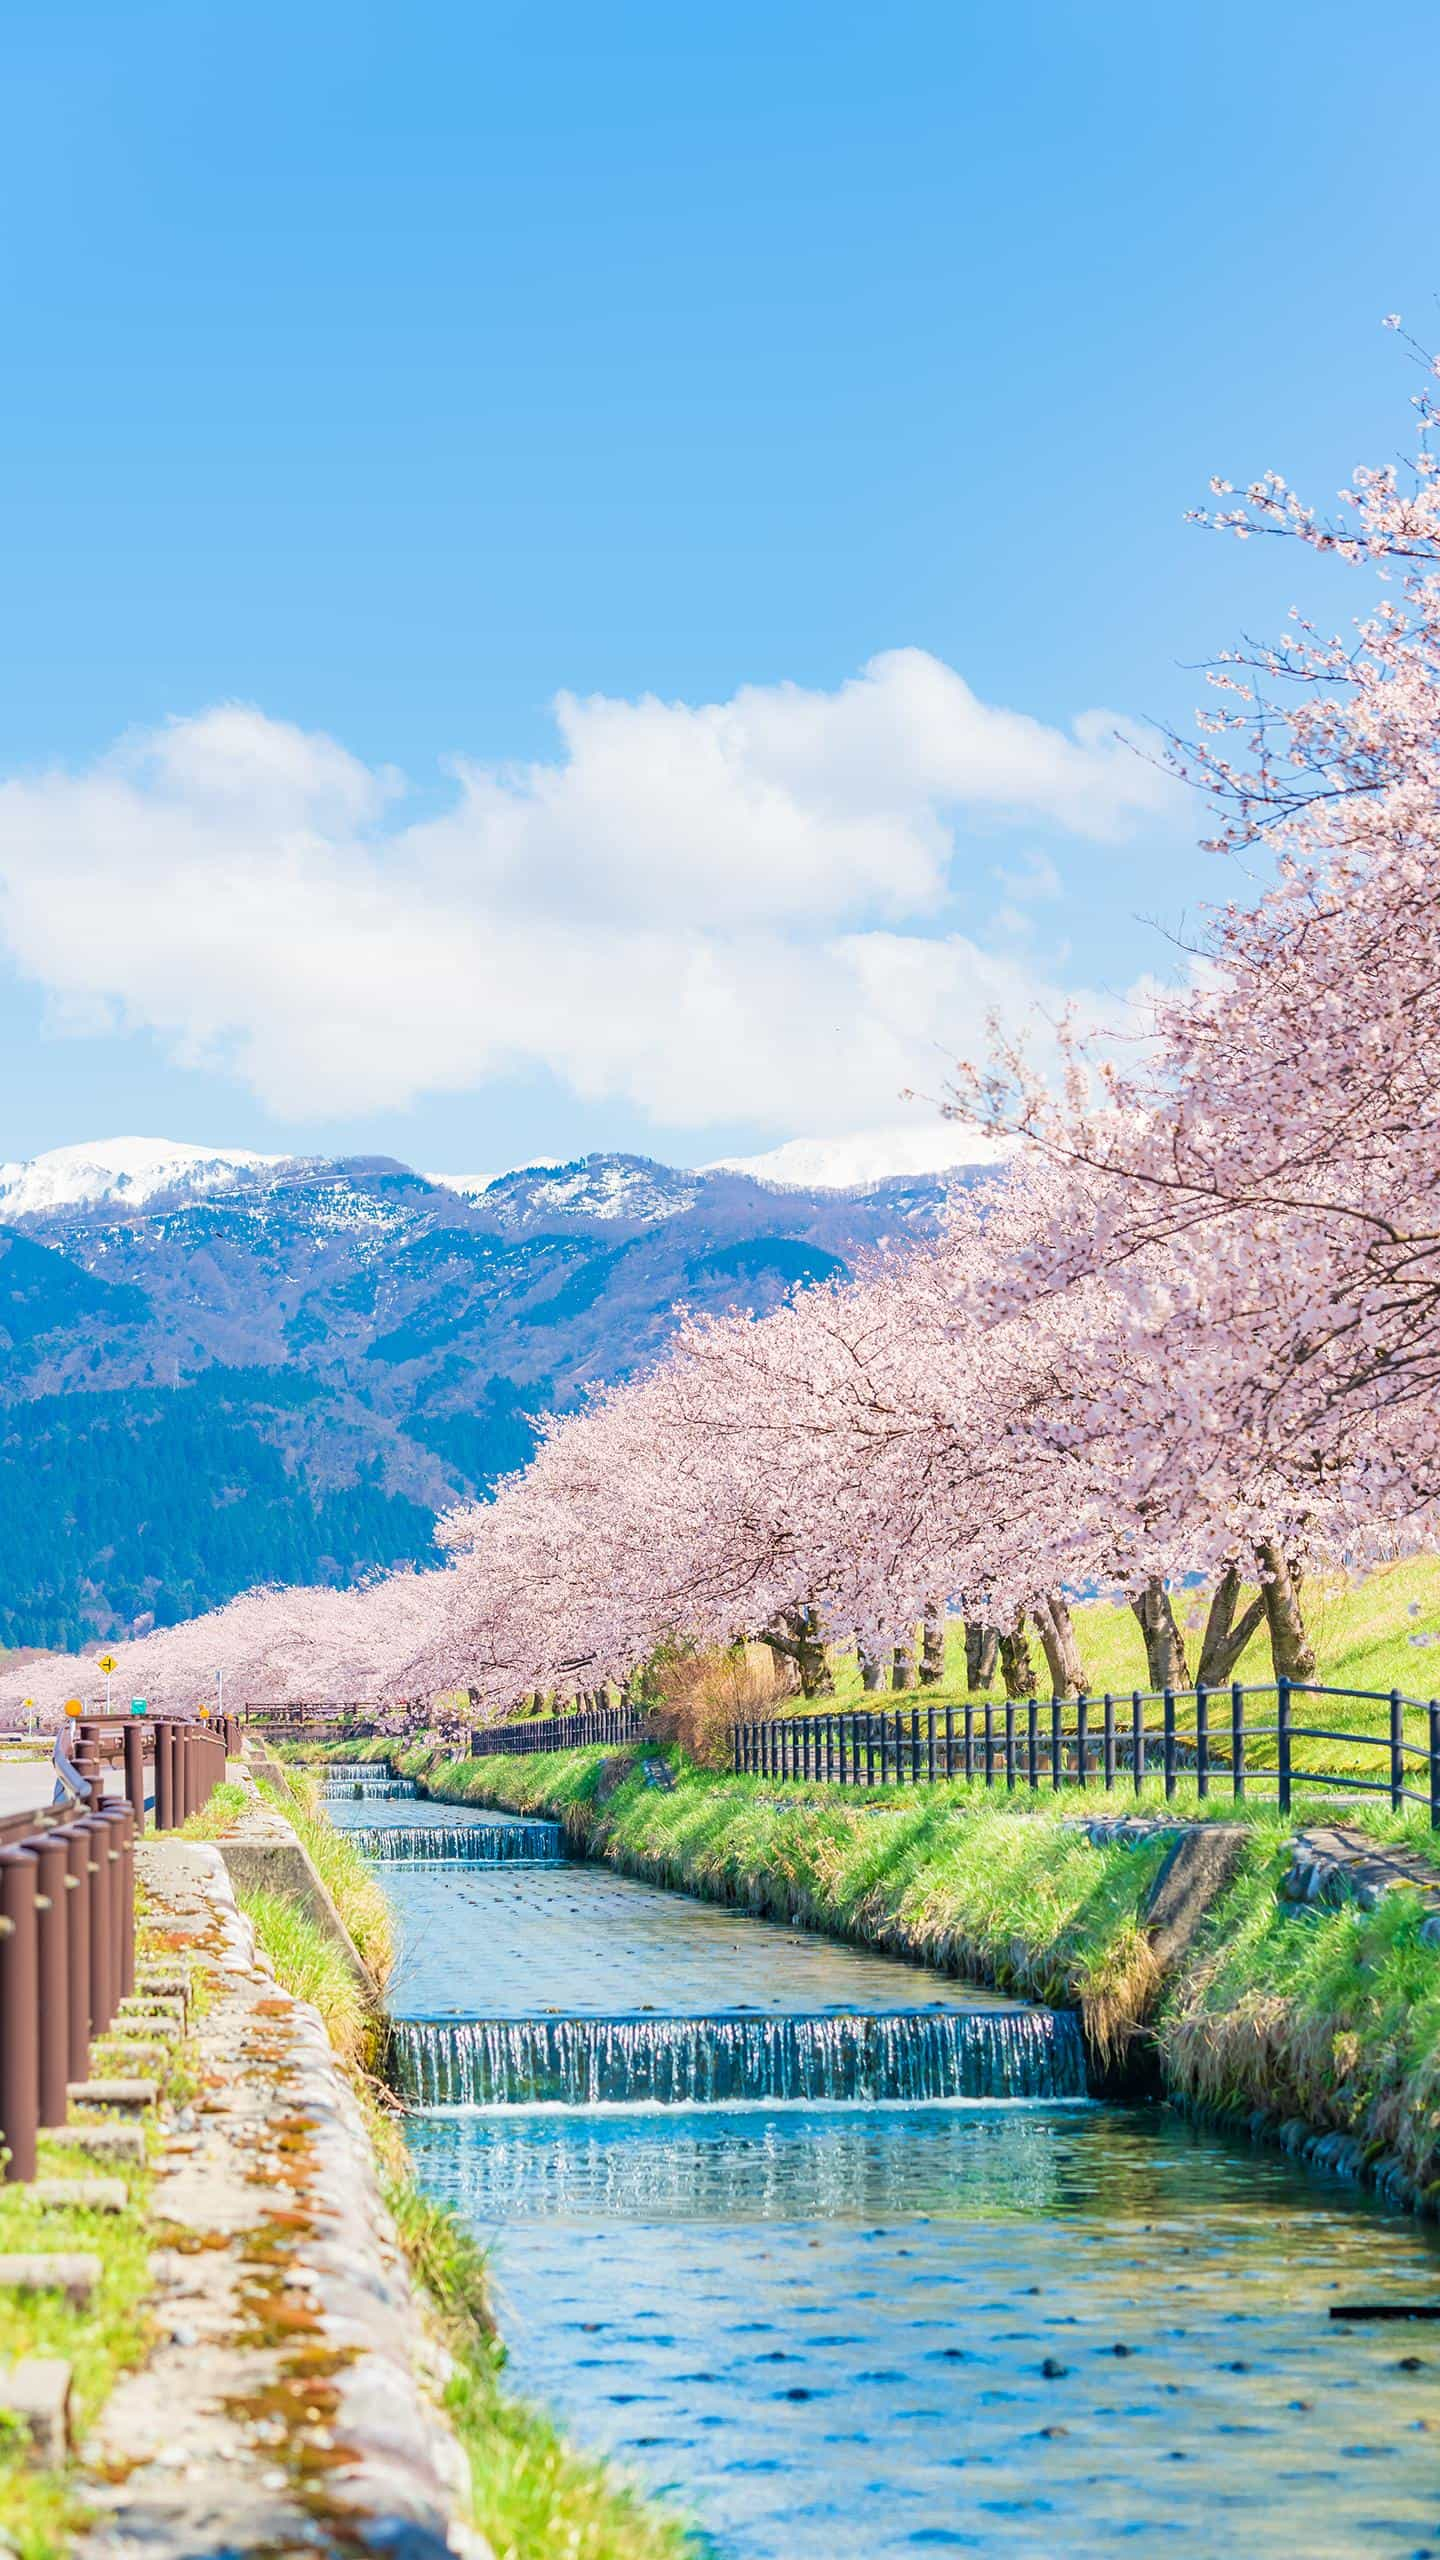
(579, 1940)
(852, 2332)
(982, 2329)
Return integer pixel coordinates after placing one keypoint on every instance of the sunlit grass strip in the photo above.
(357, 1894)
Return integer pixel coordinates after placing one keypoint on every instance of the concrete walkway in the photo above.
(284, 2408)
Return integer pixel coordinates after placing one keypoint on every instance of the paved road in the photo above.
(30, 1782)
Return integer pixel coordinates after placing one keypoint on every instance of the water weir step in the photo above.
(480, 1843)
(907, 2056)
(360, 1783)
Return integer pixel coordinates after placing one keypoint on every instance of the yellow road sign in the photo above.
(107, 1663)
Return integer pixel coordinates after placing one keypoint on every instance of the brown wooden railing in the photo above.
(67, 1908)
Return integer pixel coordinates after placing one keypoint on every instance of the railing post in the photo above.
(930, 1743)
(1397, 1751)
(989, 1744)
(1082, 1737)
(735, 1748)
(1434, 1717)
(1282, 1741)
(1237, 1739)
(1010, 1744)
(1169, 1743)
(19, 2012)
(133, 1744)
(1202, 1740)
(1057, 1774)
(164, 1775)
(124, 1822)
(914, 1746)
(102, 1997)
(1109, 1743)
(1032, 1742)
(52, 1937)
(869, 1747)
(77, 1862)
(1137, 1740)
(949, 1742)
(969, 1742)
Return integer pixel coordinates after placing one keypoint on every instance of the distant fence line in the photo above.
(562, 1733)
(1207, 1734)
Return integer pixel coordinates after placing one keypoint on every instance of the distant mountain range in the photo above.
(219, 1368)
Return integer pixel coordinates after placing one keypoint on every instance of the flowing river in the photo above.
(833, 2250)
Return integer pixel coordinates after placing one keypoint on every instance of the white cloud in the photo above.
(868, 1155)
(723, 912)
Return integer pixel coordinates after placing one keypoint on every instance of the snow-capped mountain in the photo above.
(125, 1171)
(219, 1368)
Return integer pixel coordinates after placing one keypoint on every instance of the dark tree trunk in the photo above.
(1017, 1663)
(932, 1647)
(1164, 1643)
(982, 1653)
(902, 1668)
(872, 1669)
(1056, 1630)
(1291, 1651)
(1226, 1633)
(795, 1637)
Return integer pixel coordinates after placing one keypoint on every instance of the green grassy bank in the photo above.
(1282, 2012)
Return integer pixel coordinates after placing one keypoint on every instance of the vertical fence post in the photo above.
(102, 2005)
(989, 1744)
(125, 1826)
(133, 1745)
(1082, 1737)
(735, 1748)
(52, 1900)
(1397, 1751)
(1137, 1740)
(19, 2012)
(164, 1775)
(869, 1747)
(77, 1863)
(1282, 1741)
(1032, 1741)
(1434, 1717)
(914, 1746)
(1057, 1773)
(1109, 1743)
(1237, 1739)
(930, 1743)
(949, 1742)
(1010, 1744)
(1202, 1739)
(1169, 1744)
(969, 1741)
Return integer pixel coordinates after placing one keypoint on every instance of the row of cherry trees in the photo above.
(1195, 1332)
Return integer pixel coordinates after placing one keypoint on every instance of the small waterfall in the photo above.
(492, 1844)
(364, 1782)
(908, 2056)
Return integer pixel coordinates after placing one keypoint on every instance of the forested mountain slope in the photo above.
(224, 1371)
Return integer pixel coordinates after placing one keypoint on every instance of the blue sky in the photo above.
(393, 373)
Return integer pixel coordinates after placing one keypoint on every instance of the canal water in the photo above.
(878, 2280)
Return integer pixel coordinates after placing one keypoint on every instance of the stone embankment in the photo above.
(289, 2403)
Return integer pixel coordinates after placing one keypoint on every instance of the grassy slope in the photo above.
(1332, 2016)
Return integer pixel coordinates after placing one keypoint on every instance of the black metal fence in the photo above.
(1242, 1739)
(562, 1733)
